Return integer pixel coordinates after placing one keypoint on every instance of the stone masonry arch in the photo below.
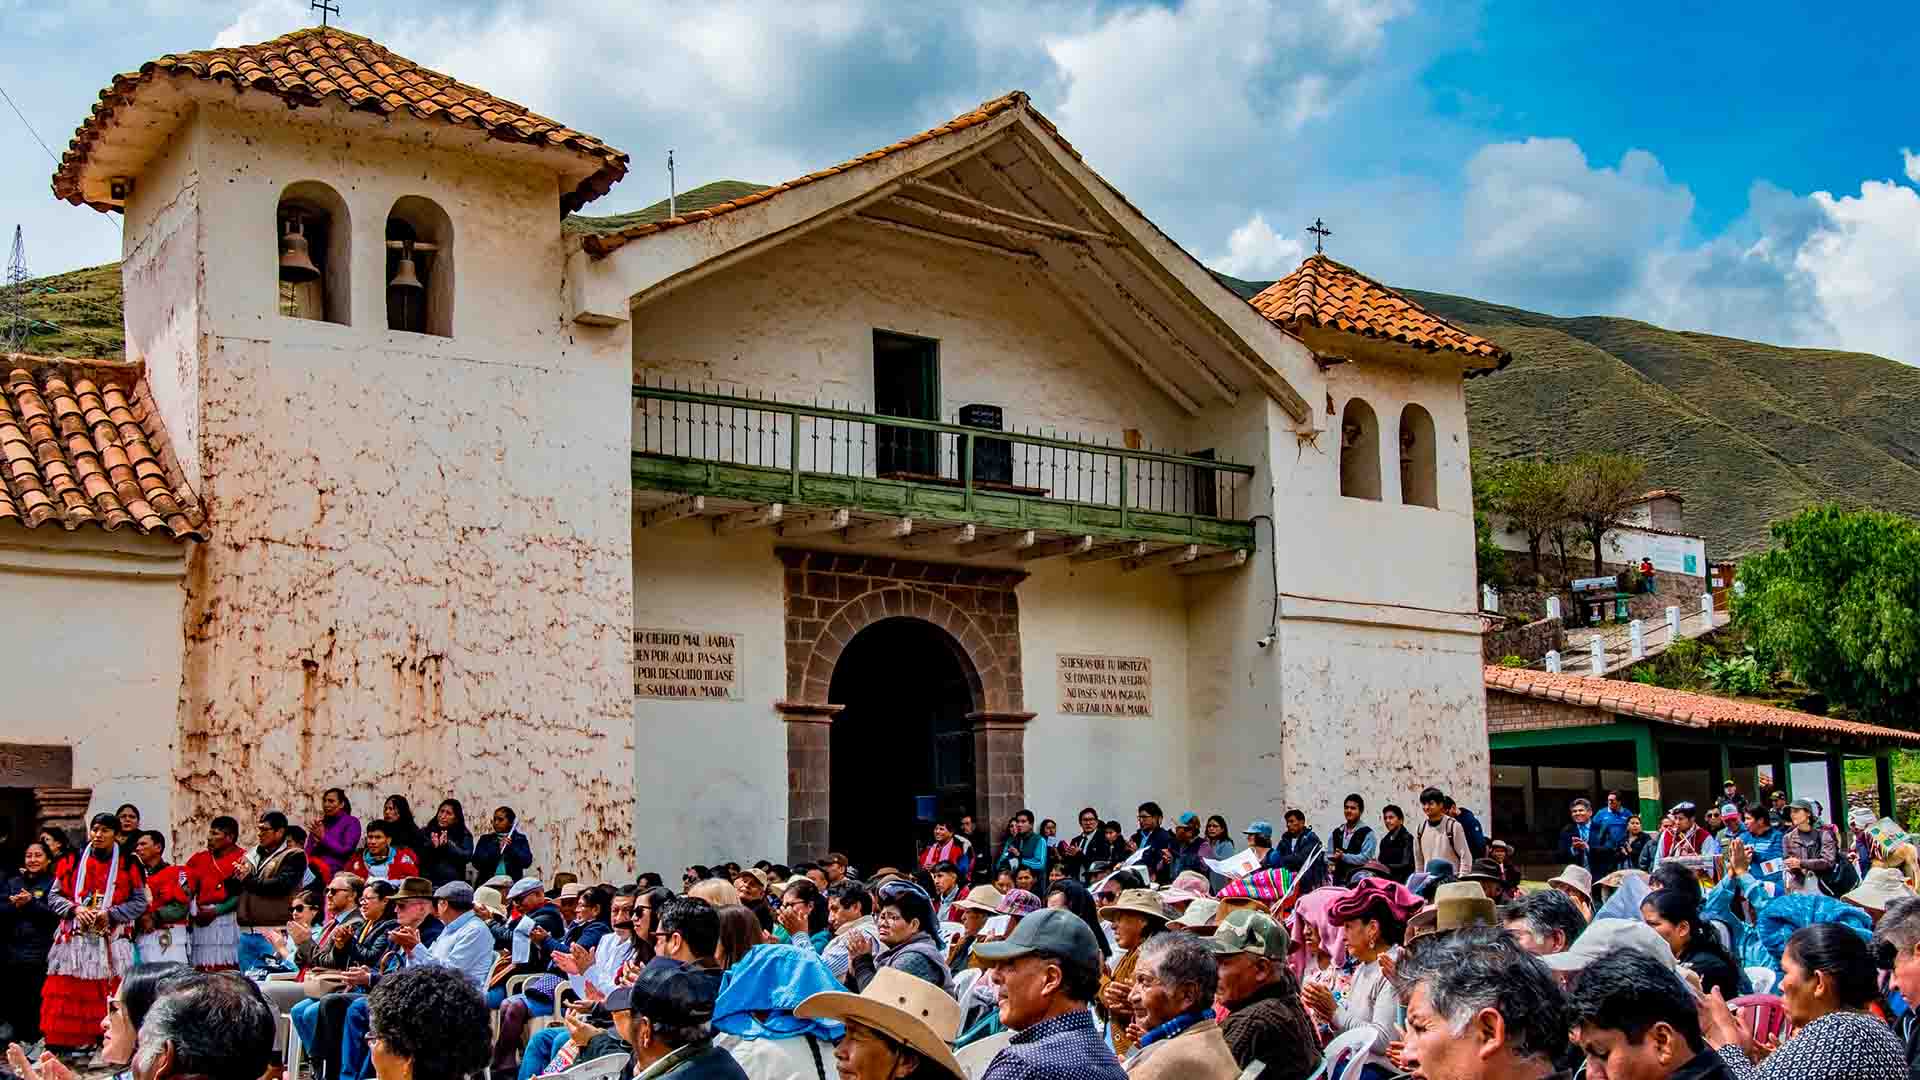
(830, 597)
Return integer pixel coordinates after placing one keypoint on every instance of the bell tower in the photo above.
(344, 273)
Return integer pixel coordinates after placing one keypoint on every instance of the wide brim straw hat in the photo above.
(1881, 886)
(1577, 878)
(905, 1008)
(1460, 904)
(1621, 877)
(1139, 902)
(982, 898)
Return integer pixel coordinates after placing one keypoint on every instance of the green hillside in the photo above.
(1748, 432)
(688, 201)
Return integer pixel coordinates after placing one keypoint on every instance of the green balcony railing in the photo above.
(751, 447)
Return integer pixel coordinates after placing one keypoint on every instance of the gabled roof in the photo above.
(78, 446)
(1683, 708)
(1325, 293)
(605, 242)
(308, 67)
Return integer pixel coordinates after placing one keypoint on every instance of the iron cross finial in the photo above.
(325, 8)
(1320, 232)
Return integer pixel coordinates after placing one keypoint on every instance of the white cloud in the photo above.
(1861, 265)
(1256, 253)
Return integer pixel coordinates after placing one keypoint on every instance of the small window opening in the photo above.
(419, 268)
(314, 254)
(1419, 484)
(1359, 452)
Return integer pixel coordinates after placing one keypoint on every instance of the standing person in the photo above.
(1777, 809)
(1021, 847)
(1730, 793)
(1048, 970)
(1395, 849)
(97, 896)
(504, 850)
(948, 847)
(27, 927)
(1636, 850)
(1812, 852)
(1611, 821)
(1440, 836)
(1173, 993)
(1259, 837)
(1189, 854)
(216, 928)
(1500, 854)
(981, 850)
(127, 822)
(1297, 849)
(1476, 835)
(1765, 845)
(1156, 841)
(1480, 1008)
(266, 881)
(1105, 852)
(1351, 845)
(1580, 840)
(1685, 839)
(1730, 825)
(1828, 986)
(398, 814)
(1638, 1021)
(1076, 850)
(334, 836)
(383, 860)
(1265, 1019)
(1137, 917)
(946, 890)
(447, 846)
(161, 934)
(1217, 839)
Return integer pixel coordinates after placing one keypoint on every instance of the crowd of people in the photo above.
(389, 949)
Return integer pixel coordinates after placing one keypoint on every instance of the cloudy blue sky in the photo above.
(1751, 175)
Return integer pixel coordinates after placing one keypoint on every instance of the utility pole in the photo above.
(13, 301)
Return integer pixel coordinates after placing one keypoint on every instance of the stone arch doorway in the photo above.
(903, 732)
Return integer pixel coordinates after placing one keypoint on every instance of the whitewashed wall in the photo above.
(1626, 545)
(90, 656)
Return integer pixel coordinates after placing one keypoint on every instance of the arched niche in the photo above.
(1419, 480)
(419, 233)
(317, 213)
(1359, 451)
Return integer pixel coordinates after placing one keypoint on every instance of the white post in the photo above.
(1706, 607)
(1553, 661)
(1489, 598)
(1597, 665)
(1634, 631)
(1553, 608)
(1673, 623)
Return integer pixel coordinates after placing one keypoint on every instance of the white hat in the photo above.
(1881, 886)
(1605, 936)
(1576, 878)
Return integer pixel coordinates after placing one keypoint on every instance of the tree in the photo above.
(1836, 601)
(1531, 493)
(1489, 561)
(1601, 487)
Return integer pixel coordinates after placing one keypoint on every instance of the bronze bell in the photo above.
(295, 265)
(403, 275)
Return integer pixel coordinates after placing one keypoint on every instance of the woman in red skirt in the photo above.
(98, 893)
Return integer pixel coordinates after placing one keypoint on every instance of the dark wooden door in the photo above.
(906, 382)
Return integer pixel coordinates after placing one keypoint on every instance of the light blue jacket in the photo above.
(466, 945)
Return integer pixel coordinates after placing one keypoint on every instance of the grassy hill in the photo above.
(697, 199)
(1748, 432)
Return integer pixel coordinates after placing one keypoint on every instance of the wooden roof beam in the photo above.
(1130, 549)
(884, 529)
(1207, 564)
(922, 233)
(1125, 348)
(753, 517)
(1220, 387)
(948, 537)
(1066, 545)
(982, 208)
(1173, 556)
(686, 507)
(1017, 540)
(820, 521)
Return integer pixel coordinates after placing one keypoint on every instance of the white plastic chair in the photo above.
(1344, 1055)
(292, 1054)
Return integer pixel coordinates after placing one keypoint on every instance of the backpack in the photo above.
(1843, 878)
(1476, 836)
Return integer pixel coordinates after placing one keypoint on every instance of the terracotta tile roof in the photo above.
(607, 242)
(1662, 493)
(309, 66)
(78, 447)
(1329, 294)
(1681, 707)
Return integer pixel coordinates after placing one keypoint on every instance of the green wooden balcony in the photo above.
(758, 460)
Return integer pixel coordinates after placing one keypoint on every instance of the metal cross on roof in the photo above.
(1320, 232)
(325, 8)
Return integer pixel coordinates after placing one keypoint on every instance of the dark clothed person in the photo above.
(1272, 1027)
(1396, 853)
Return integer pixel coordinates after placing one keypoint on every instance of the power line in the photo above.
(51, 156)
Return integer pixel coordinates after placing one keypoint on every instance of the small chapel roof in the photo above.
(306, 68)
(1325, 293)
(80, 445)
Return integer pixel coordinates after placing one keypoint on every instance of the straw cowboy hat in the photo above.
(1140, 902)
(1460, 904)
(905, 1008)
(982, 898)
(1881, 886)
(1577, 878)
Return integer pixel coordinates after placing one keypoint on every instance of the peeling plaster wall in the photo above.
(798, 322)
(711, 776)
(1111, 763)
(96, 665)
(420, 573)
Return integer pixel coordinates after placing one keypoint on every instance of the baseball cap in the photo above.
(1190, 819)
(524, 886)
(1051, 930)
(1258, 827)
(1248, 931)
(1606, 936)
(667, 993)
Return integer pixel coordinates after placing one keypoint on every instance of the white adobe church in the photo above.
(939, 479)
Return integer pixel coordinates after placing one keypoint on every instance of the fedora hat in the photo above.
(981, 898)
(415, 888)
(1460, 904)
(1881, 886)
(1485, 870)
(905, 1008)
(1577, 878)
(1139, 902)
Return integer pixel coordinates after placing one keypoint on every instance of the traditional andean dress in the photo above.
(84, 966)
